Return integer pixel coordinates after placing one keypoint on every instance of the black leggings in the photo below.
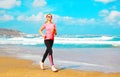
(49, 44)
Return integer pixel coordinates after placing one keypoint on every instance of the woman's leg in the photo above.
(51, 58)
(50, 54)
(48, 44)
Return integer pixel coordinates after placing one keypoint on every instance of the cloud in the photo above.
(111, 17)
(105, 1)
(8, 4)
(39, 3)
(73, 21)
(114, 15)
(104, 12)
(34, 18)
(40, 17)
(6, 17)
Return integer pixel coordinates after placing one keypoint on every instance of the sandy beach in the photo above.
(23, 61)
(14, 67)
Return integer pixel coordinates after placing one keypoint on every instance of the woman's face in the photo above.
(49, 17)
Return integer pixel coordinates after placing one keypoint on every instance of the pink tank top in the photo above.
(50, 28)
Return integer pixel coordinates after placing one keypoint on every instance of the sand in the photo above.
(14, 67)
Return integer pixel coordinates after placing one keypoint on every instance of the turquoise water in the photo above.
(66, 41)
(81, 46)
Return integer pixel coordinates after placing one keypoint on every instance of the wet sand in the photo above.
(14, 67)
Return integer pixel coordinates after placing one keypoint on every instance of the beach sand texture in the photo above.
(14, 67)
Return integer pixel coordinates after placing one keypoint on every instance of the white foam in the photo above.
(59, 40)
(86, 42)
(80, 63)
(102, 38)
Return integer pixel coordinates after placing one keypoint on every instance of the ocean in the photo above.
(66, 41)
(80, 52)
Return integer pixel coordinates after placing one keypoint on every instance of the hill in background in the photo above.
(10, 33)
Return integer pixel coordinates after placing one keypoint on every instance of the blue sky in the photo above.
(70, 16)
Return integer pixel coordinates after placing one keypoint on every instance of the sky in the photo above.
(71, 16)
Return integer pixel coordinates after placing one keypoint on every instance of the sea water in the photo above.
(66, 41)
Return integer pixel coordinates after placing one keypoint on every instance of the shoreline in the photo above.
(14, 67)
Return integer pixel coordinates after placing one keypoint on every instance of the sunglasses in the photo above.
(49, 16)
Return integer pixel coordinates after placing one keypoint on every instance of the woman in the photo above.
(50, 28)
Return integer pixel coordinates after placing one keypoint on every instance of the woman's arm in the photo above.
(40, 31)
(55, 31)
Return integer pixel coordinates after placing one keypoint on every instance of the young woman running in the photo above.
(50, 28)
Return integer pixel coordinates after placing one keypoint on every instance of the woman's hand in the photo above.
(54, 31)
(43, 36)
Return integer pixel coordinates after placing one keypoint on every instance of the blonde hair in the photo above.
(47, 16)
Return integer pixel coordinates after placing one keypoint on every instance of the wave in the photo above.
(102, 38)
(80, 63)
(22, 40)
(62, 40)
